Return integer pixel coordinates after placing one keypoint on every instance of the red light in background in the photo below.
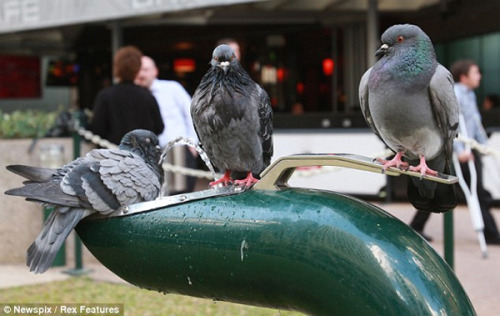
(281, 73)
(328, 66)
(299, 87)
(184, 65)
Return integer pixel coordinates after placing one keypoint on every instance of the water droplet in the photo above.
(244, 246)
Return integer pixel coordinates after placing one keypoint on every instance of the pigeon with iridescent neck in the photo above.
(408, 100)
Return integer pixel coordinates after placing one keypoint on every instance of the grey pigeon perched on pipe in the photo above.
(232, 116)
(407, 99)
(103, 181)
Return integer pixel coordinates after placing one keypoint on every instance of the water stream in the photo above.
(188, 142)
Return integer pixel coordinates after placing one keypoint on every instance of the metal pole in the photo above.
(116, 37)
(372, 33)
(448, 239)
(76, 154)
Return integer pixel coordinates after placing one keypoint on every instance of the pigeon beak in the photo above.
(382, 50)
(224, 65)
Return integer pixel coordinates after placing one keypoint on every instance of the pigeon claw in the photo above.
(247, 182)
(423, 168)
(394, 162)
(225, 180)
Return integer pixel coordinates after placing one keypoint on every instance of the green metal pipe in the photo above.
(78, 269)
(448, 231)
(313, 251)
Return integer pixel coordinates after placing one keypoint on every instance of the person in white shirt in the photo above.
(467, 77)
(175, 104)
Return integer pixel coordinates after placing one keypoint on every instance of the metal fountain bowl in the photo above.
(314, 251)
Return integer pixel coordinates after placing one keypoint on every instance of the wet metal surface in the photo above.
(313, 251)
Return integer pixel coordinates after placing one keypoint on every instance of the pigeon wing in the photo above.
(363, 101)
(266, 125)
(445, 106)
(128, 178)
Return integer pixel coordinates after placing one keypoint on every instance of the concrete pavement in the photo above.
(479, 276)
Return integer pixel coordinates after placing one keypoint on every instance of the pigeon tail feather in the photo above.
(32, 173)
(430, 196)
(43, 250)
(48, 192)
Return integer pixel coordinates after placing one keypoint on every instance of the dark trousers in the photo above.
(484, 197)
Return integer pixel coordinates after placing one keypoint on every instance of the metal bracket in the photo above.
(276, 176)
(173, 200)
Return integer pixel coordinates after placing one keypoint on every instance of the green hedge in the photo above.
(26, 124)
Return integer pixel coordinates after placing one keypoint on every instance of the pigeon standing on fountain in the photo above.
(408, 100)
(232, 116)
(102, 181)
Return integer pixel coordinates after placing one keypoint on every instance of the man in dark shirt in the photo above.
(125, 106)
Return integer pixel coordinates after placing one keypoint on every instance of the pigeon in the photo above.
(407, 99)
(101, 181)
(232, 116)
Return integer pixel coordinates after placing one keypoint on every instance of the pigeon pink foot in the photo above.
(225, 180)
(247, 182)
(423, 168)
(394, 162)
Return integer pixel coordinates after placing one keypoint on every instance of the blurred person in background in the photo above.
(175, 105)
(467, 77)
(125, 106)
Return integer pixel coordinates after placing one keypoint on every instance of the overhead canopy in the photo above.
(50, 27)
(24, 15)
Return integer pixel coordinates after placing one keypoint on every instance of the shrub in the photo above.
(26, 124)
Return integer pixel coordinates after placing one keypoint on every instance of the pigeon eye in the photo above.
(216, 58)
(401, 39)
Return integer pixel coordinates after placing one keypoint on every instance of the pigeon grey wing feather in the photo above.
(84, 182)
(56, 229)
(193, 110)
(199, 103)
(33, 173)
(266, 125)
(445, 105)
(363, 101)
(98, 194)
(45, 192)
(129, 187)
(430, 196)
